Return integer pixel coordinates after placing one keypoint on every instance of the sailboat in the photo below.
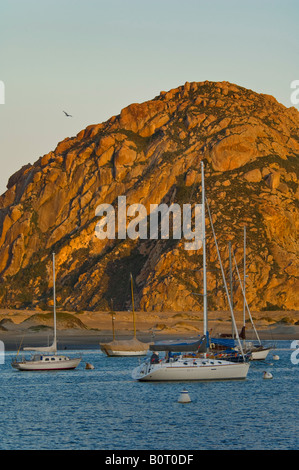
(47, 358)
(193, 366)
(131, 347)
(258, 351)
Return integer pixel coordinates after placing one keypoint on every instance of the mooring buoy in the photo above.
(89, 366)
(267, 375)
(184, 397)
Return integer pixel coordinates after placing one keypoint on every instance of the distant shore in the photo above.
(19, 328)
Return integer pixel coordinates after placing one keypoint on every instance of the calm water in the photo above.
(105, 409)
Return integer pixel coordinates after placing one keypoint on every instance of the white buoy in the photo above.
(89, 366)
(267, 375)
(275, 357)
(184, 397)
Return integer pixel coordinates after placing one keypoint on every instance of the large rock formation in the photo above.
(151, 153)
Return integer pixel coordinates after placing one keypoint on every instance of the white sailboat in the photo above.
(130, 347)
(44, 360)
(189, 367)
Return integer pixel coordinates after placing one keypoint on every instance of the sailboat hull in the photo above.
(260, 355)
(130, 347)
(114, 352)
(47, 363)
(203, 369)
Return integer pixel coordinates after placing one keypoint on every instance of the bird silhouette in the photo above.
(67, 115)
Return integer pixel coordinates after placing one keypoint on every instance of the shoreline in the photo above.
(91, 339)
(89, 329)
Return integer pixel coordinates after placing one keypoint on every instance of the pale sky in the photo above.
(92, 58)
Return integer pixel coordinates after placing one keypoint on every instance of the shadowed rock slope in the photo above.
(151, 153)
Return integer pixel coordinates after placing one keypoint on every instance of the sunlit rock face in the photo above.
(151, 153)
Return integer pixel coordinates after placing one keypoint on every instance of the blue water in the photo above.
(106, 409)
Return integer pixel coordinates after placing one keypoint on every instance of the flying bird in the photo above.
(67, 115)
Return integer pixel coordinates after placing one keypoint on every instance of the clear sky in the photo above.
(92, 58)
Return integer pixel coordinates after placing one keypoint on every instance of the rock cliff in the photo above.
(151, 153)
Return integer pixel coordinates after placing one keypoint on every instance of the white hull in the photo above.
(57, 363)
(131, 347)
(190, 369)
(111, 352)
(257, 354)
(260, 355)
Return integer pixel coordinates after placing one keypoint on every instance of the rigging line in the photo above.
(244, 297)
(133, 307)
(224, 281)
(20, 345)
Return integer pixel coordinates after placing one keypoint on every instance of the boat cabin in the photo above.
(48, 358)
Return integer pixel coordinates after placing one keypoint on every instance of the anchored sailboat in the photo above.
(255, 351)
(188, 366)
(258, 351)
(41, 362)
(131, 347)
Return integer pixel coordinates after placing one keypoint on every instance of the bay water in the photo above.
(105, 409)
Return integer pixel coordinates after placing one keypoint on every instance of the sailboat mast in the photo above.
(244, 280)
(231, 282)
(54, 299)
(225, 284)
(134, 320)
(113, 329)
(205, 303)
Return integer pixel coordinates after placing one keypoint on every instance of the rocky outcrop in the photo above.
(151, 153)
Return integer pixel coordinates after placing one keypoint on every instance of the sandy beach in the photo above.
(88, 329)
